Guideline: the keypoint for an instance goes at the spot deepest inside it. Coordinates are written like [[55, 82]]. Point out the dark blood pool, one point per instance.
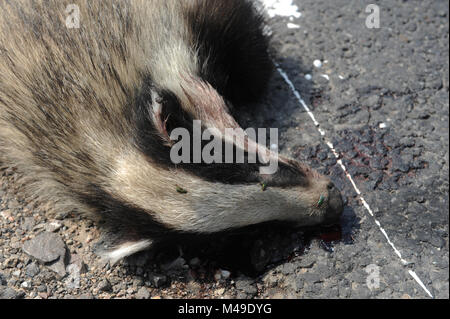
[[331, 234]]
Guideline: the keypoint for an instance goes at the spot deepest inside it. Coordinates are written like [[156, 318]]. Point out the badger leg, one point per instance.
[[124, 250]]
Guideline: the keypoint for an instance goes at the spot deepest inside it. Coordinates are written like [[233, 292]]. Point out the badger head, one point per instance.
[[204, 197]]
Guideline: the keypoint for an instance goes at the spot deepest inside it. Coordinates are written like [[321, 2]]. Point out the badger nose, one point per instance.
[[335, 205]]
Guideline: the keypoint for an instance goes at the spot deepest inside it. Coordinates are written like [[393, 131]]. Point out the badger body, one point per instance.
[[86, 115]]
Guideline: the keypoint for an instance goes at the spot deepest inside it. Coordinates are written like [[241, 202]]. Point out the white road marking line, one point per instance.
[[283, 8], [293, 26], [341, 164], [414, 275]]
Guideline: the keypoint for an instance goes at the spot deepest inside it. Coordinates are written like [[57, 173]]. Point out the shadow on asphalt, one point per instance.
[[250, 251]]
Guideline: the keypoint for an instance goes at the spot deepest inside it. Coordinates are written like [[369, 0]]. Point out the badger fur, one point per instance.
[[86, 115]]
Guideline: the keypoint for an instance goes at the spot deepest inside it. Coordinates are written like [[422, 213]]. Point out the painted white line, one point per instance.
[[341, 164], [283, 8], [297, 95], [414, 275], [293, 26]]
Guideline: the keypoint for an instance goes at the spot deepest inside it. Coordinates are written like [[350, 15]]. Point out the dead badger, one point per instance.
[[86, 113]]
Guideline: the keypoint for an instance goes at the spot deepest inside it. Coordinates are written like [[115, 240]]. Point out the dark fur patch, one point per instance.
[[153, 146], [233, 49], [126, 222]]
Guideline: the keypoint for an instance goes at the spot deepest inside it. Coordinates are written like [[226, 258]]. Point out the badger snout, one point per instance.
[[335, 205]]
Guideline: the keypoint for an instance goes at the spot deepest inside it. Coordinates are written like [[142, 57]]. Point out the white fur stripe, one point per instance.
[[126, 249]]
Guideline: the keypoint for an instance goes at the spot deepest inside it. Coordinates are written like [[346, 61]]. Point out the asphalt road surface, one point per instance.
[[381, 99]]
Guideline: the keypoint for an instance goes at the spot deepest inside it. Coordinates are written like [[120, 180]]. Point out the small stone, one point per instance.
[[306, 262], [140, 271], [42, 288], [372, 101], [73, 280], [317, 63], [104, 286], [308, 77], [58, 267], [25, 285], [78, 261], [407, 142], [271, 280], [398, 164], [247, 287], [288, 269], [11, 262], [39, 227], [220, 291], [43, 295], [46, 247], [225, 274], [49, 249], [322, 155], [28, 223], [159, 280], [53, 227], [298, 284], [32, 270], [143, 293], [311, 277], [2, 280], [9, 293], [138, 282], [178, 263], [7, 215]]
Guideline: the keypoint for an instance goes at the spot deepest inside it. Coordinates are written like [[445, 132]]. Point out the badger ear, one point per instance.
[[153, 115], [159, 117]]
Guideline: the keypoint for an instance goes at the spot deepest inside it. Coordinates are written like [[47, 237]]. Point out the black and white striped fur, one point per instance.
[[85, 116]]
